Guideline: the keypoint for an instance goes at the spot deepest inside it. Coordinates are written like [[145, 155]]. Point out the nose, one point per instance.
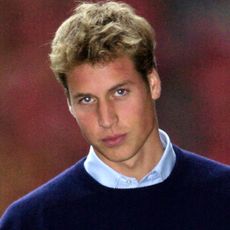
[[107, 116]]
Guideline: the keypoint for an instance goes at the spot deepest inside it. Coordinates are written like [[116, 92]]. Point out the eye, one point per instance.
[[86, 100], [121, 92]]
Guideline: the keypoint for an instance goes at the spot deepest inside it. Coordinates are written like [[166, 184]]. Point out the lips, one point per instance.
[[115, 140]]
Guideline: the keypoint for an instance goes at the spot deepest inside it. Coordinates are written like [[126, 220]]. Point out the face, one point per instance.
[[113, 107]]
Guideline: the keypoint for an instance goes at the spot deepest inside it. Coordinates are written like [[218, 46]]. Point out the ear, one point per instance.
[[154, 84], [70, 106]]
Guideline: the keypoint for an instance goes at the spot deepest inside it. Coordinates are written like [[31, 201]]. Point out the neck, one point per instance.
[[143, 161], [142, 164]]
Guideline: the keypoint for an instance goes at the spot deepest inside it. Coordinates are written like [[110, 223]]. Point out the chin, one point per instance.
[[117, 156]]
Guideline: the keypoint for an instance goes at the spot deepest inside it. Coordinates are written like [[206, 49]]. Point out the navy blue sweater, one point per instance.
[[195, 196]]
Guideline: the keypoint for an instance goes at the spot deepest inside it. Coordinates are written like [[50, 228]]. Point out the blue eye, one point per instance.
[[86, 100], [121, 92]]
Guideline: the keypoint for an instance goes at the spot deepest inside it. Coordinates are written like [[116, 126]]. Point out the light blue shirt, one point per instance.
[[108, 177]]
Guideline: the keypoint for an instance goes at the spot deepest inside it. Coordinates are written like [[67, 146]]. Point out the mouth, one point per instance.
[[112, 141]]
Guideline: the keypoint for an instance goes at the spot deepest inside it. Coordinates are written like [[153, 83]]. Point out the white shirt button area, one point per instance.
[[129, 182], [126, 182], [108, 177]]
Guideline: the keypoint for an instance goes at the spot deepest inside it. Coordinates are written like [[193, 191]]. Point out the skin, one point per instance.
[[115, 110]]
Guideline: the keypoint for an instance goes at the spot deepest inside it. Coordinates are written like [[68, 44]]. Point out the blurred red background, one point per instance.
[[38, 136]]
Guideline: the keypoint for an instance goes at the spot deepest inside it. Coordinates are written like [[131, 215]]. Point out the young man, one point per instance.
[[133, 177]]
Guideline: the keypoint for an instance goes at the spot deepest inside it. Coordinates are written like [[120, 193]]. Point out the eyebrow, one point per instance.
[[124, 83], [127, 82], [80, 95]]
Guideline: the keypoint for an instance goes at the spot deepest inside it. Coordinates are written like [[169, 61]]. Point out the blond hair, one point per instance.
[[99, 33]]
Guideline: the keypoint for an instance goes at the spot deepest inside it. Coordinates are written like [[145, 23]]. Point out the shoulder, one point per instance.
[[203, 172], [62, 189]]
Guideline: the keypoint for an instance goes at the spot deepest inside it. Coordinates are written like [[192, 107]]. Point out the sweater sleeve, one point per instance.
[[11, 219], [21, 216]]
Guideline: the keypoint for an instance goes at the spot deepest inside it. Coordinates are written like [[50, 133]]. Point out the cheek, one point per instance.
[[137, 108], [139, 114], [86, 122]]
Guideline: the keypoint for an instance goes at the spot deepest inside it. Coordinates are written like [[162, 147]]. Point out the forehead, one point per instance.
[[102, 76], [122, 64]]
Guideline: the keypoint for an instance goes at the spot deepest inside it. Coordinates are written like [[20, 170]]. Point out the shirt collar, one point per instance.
[[108, 177]]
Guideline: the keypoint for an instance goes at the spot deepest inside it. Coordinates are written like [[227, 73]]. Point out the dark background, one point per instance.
[[38, 136]]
